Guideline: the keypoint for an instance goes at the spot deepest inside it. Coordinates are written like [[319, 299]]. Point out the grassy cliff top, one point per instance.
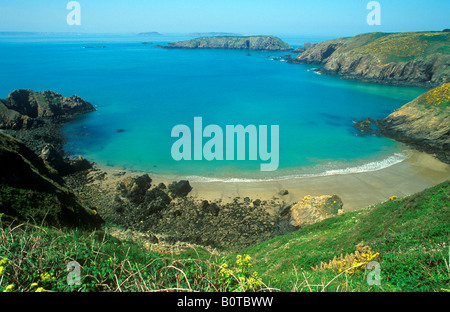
[[438, 97], [400, 47]]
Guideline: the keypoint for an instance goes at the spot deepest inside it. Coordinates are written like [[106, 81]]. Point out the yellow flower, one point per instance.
[[40, 289], [9, 288], [33, 285], [2, 270]]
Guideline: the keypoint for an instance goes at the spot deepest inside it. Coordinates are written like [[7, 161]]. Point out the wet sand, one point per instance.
[[357, 190]]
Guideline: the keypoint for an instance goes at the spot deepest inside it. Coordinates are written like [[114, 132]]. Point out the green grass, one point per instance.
[[438, 98], [401, 47], [410, 234]]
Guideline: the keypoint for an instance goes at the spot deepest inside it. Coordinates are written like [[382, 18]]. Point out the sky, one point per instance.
[[249, 17]]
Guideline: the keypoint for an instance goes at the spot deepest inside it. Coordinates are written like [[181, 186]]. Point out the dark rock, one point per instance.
[[29, 190], [368, 126], [27, 108], [257, 203], [283, 192], [180, 188], [53, 158], [161, 186], [283, 58], [135, 188]]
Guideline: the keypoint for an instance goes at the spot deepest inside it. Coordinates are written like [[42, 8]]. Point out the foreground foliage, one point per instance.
[[408, 237]]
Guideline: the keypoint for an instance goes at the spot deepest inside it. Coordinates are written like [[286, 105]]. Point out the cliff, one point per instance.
[[28, 109], [414, 59], [258, 43], [423, 123], [31, 190]]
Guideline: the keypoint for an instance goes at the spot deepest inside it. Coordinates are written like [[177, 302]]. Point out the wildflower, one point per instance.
[[40, 289], [33, 285], [9, 288], [5, 261], [2, 270]]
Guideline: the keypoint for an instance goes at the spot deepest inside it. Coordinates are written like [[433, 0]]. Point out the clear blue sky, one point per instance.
[[299, 17]]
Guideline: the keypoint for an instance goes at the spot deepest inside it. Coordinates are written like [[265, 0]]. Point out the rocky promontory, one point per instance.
[[36, 117], [27, 108], [414, 59], [423, 123], [256, 43]]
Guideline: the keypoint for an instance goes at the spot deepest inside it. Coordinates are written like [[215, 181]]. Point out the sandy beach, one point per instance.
[[357, 190]]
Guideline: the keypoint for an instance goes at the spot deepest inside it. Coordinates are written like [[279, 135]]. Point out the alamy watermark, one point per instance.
[[213, 149], [374, 16], [74, 16], [74, 276], [374, 276]]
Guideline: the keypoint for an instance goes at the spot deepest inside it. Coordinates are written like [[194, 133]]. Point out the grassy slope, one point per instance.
[[411, 235], [400, 47], [438, 97]]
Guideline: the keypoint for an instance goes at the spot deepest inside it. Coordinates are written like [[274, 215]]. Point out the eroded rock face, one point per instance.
[[30, 190], [383, 58], [311, 209], [423, 123], [27, 109]]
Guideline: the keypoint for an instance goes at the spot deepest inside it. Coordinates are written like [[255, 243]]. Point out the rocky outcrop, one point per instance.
[[305, 47], [36, 118], [28, 109], [423, 123], [180, 188], [30, 190], [413, 59], [257, 43], [311, 209]]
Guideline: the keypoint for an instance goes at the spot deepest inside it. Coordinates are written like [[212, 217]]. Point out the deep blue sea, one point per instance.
[[146, 91]]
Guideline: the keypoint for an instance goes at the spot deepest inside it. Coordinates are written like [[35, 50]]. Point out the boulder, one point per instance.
[[311, 209], [180, 188], [135, 188]]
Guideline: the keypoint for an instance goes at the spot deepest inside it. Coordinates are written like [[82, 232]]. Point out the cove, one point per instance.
[[214, 148]]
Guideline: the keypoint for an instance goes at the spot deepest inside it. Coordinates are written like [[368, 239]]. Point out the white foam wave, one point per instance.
[[367, 167]]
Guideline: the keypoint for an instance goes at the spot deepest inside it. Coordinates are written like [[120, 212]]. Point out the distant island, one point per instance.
[[151, 33], [412, 58], [210, 34], [256, 43]]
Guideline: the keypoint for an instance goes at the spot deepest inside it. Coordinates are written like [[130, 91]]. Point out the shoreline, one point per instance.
[[357, 190]]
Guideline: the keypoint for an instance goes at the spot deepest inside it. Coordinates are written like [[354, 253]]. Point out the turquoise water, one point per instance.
[[146, 91]]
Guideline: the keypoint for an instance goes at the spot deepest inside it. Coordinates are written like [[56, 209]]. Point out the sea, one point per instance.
[[142, 91]]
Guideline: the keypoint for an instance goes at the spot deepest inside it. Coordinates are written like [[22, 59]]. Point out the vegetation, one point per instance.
[[439, 96], [402, 47], [409, 237]]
